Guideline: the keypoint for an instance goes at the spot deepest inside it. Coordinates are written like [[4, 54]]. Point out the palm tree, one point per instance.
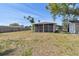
[[38, 20], [31, 19]]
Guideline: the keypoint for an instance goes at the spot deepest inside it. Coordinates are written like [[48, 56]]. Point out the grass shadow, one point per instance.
[[7, 52]]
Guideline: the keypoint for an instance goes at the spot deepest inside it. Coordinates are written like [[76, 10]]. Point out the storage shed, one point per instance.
[[74, 26], [44, 27]]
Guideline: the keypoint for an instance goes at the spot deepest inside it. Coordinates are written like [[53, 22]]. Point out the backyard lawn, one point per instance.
[[27, 43]]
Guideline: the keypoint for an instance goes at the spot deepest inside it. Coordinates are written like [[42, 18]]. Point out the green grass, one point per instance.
[[19, 45], [27, 52]]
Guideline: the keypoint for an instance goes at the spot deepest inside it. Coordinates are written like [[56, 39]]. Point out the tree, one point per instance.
[[65, 10], [31, 19], [14, 24], [38, 20], [54, 9], [65, 25]]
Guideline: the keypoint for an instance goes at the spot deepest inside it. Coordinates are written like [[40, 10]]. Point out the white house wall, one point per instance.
[[77, 27], [72, 28]]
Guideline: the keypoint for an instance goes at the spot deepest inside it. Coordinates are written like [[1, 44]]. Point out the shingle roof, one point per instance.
[[74, 21]]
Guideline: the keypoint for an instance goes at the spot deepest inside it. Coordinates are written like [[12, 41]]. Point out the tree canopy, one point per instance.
[[30, 18], [63, 9], [68, 11]]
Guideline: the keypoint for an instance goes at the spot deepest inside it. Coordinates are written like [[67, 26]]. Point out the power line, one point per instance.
[[32, 10], [35, 12]]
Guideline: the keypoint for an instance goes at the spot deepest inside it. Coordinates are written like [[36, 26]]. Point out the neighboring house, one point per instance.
[[74, 26], [10, 28], [44, 27]]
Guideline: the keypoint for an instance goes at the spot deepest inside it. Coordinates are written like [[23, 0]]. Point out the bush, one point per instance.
[[57, 31]]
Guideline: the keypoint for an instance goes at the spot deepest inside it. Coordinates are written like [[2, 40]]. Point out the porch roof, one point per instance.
[[74, 21], [45, 23]]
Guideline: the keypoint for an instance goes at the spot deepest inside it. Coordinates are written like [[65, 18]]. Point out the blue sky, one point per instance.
[[13, 13]]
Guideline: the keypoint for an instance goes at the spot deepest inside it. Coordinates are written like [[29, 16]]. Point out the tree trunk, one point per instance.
[[32, 28]]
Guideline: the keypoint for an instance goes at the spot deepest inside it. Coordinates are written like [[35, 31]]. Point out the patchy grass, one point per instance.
[[27, 52], [27, 43]]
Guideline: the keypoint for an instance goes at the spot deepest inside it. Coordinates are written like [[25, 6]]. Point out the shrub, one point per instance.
[[57, 31]]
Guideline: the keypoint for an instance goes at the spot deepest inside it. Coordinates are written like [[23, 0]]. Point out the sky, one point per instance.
[[14, 13]]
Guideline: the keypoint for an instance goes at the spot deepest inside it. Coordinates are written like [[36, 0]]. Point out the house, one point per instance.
[[44, 27], [73, 26]]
